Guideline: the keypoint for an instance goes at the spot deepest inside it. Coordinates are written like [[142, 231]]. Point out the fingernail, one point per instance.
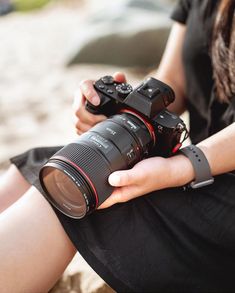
[[114, 179], [95, 100]]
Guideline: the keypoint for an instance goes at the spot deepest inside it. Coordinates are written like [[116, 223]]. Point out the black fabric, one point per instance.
[[181, 11], [170, 240], [30, 162], [207, 114], [167, 241]]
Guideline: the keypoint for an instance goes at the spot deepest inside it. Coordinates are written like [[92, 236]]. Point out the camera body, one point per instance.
[[148, 102], [75, 179]]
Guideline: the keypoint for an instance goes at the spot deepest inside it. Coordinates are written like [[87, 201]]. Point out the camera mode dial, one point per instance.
[[123, 89], [108, 80]]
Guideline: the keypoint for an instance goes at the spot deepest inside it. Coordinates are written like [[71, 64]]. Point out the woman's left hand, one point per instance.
[[147, 176]]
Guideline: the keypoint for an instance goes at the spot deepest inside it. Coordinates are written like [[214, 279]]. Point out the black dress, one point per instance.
[[170, 240]]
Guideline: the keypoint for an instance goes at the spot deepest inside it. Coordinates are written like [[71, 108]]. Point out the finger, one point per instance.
[[119, 76], [78, 100], [83, 115], [79, 132], [121, 195], [82, 127], [111, 200], [123, 178], [89, 92], [81, 112]]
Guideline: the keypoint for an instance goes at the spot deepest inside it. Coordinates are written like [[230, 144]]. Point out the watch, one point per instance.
[[201, 166]]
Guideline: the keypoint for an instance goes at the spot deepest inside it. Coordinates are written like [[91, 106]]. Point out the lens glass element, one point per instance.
[[64, 192]]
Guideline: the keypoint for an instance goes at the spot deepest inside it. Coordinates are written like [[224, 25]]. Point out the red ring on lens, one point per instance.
[[83, 173], [144, 120]]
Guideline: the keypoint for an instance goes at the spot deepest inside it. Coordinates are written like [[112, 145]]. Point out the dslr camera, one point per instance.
[[75, 179]]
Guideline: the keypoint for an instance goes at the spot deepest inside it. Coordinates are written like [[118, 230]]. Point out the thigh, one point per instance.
[[165, 241], [12, 186], [34, 249]]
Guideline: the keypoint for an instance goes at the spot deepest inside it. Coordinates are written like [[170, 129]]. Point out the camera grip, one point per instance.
[[92, 109]]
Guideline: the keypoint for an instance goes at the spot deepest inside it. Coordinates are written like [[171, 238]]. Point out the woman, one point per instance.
[[161, 241]]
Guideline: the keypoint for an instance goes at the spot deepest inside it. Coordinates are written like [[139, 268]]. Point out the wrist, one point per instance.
[[205, 151], [200, 165], [181, 169]]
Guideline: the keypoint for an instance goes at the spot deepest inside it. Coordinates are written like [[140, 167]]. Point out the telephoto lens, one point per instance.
[[75, 179]]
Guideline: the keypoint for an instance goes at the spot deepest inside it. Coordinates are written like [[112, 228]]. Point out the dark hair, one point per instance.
[[223, 50]]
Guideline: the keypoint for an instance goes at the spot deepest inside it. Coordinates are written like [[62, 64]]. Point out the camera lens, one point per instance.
[[75, 179], [65, 192]]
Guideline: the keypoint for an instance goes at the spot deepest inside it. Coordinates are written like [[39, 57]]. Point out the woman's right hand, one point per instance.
[[83, 119]]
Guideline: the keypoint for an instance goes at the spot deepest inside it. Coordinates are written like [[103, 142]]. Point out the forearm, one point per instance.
[[171, 69], [159, 173], [219, 150]]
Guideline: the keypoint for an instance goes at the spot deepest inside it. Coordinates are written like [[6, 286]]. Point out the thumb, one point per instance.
[[122, 178], [119, 76]]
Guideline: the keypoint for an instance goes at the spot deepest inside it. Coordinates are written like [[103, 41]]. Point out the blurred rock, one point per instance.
[[124, 33]]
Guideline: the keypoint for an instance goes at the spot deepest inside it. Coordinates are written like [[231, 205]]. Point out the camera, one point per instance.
[[75, 179]]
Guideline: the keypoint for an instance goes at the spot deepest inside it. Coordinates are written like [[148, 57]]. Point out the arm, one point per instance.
[[171, 69], [220, 150], [159, 173]]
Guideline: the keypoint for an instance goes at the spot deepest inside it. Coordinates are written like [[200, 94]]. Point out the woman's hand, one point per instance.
[[83, 119], [147, 176]]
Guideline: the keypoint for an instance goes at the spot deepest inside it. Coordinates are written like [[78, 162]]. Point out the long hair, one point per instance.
[[223, 50]]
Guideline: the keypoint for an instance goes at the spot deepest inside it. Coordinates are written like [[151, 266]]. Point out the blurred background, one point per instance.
[[46, 49]]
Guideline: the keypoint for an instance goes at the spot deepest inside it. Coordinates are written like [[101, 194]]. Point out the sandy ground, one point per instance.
[[36, 93]]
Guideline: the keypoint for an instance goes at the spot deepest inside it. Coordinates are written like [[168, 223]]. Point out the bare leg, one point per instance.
[[34, 248], [12, 187]]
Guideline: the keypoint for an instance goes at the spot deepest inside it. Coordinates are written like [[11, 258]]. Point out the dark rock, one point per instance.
[[126, 33]]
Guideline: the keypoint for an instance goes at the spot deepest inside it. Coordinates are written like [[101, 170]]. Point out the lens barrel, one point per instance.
[[85, 165]]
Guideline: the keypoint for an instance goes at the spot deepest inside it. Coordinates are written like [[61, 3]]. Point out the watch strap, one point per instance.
[[201, 166]]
